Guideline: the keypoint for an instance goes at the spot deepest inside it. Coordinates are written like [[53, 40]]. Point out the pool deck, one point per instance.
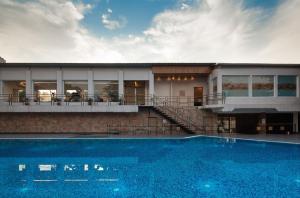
[[293, 138]]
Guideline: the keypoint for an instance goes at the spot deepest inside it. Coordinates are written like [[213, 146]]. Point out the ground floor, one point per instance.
[[259, 123]]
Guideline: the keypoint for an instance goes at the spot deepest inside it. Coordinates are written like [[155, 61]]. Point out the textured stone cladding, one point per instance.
[[76, 122]]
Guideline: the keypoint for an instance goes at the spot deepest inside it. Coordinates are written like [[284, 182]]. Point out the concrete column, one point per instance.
[[90, 83], [28, 83], [250, 91], [275, 85], [1, 87], [298, 87], [59, 83], [295, 122], [219, 88], [151, 83], [121, 83], [210, 85]]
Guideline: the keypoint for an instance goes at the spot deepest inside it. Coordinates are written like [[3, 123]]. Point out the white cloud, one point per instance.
[[210, 31], [110, 23]]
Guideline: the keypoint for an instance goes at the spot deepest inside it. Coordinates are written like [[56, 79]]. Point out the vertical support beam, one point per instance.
[[295, 122], [28, 83], [59, 83], [210, 85], [250, 87], [298, 86], [121, 83], [151, 88], [219, 87], [90, 83], [1, 87], [151, 84], [275, 85]]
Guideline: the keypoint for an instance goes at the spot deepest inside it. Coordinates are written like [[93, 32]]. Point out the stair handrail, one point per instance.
[[163, 102]]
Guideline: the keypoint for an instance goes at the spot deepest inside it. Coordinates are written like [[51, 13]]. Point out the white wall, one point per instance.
[[16, 73], [136, 74], [277, 102], [105, 74], [75, 73], [165, 87], [43, 73]]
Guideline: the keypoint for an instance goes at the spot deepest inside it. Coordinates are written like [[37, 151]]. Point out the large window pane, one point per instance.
[[235, 85], [263, 85], [16, 88], [44, 90], [75, 91], [106, 91], [287, 85]]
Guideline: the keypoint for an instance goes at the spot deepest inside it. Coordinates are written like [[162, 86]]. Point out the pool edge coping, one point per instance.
[[147, 138]]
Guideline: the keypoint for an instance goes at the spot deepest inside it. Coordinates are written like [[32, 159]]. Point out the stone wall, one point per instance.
[[83, 122]]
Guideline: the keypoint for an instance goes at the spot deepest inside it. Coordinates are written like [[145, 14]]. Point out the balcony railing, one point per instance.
[[82, 99]]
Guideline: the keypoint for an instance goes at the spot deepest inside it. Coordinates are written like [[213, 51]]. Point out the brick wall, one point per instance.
[[81, 122]]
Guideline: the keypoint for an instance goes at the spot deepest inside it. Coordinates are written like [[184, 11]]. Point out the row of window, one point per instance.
[[262, 85], [74, 90]]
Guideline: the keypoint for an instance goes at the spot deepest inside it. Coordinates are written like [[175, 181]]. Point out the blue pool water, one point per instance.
[[195, 167]]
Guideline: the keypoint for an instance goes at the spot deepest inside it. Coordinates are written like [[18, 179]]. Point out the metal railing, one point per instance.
[[214, 99], [83, 99], [165, 129], [178, 113]]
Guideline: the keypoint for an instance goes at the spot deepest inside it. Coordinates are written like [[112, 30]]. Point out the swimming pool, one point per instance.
[[195, 167]]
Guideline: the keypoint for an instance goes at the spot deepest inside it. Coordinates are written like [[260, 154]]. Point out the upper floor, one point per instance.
[[62, 87]]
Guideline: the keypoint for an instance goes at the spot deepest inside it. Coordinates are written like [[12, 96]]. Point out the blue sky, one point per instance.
[[266, 31], [140, 13]]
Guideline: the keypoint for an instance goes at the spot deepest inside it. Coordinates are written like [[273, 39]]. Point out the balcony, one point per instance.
[[62, 103]]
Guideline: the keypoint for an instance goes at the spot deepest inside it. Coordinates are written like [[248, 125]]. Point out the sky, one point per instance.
[[260, 31]]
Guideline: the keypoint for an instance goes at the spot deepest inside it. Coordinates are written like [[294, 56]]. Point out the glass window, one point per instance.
[[43, 90], [76, 90], [287, 85], [263, 85], [16, 88], [235, 85], [106, 91]]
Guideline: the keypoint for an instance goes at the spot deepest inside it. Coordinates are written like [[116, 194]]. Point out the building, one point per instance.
[[192, 97]]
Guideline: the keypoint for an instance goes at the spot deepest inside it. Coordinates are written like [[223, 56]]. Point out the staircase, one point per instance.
[[189, 118]]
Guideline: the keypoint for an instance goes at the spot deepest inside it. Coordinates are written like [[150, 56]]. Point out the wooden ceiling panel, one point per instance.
[[181, 70]]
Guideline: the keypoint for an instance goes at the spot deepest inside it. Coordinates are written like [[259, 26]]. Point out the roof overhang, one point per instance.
[[181, 69]]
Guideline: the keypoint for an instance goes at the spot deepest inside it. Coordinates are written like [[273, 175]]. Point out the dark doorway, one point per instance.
[[198, 96], [246, 123], [280, 123]]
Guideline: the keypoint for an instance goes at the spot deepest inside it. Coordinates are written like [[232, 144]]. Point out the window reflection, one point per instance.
[[44, 90], [16, 88], [235, 85], [76, 91], [106, 91], [263, 85], [287, 85]]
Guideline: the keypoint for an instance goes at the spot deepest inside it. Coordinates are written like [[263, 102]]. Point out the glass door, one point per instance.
[[135, 92], [198, 96]]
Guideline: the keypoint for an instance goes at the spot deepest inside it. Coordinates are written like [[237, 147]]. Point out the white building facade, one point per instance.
[[263, 93]]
